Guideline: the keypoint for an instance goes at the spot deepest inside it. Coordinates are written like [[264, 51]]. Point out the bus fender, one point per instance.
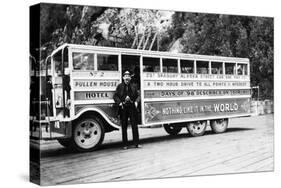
[[100, 112]]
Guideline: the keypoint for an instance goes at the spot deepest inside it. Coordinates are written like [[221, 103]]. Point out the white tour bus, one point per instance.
[[177, 90]]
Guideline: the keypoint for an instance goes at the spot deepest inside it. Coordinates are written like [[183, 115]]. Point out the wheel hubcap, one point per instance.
[[220, 124], [87, 134], [197, 127]]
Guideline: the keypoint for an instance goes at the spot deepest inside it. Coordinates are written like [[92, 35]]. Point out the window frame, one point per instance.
[[235, 69], [202, 60], [246, 69], [193, 67], [66, 64], [171, 58], [151, 56], [217, 61], [95, 52], [109, 53], [84, 52]]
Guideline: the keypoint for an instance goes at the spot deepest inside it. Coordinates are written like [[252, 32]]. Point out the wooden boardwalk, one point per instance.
[[247, 146]]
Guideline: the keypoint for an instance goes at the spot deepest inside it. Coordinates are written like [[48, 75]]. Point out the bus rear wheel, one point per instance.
[[172, 129], [219, 125], [197, 128], [87, 134]]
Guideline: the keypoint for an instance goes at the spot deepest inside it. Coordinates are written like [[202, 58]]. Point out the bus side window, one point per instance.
[[187, 66], [170, 65], [57, 58], [216, 67], [242, 69], [58, 63], [83, 61], [230, 68], [202, 67], [107, 62], [151, 64]]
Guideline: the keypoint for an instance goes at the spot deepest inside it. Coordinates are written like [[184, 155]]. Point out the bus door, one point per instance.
[[132, 63], [61, 84]]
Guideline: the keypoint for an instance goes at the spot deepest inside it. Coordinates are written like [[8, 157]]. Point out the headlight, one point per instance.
[[59, 101]]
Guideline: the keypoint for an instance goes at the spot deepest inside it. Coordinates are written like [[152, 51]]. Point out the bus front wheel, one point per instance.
[[172, 129], [87, 134], [197, 128], [219, 125]]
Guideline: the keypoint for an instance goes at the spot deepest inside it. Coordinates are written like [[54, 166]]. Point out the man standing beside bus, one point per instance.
[[126, 97]]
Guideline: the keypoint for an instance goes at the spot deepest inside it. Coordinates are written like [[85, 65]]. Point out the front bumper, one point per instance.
[[49, 130]]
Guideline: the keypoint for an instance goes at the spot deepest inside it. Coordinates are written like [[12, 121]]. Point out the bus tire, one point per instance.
[[219, 125], [172, 129], [64, 142], [197, 128], [87, 134]]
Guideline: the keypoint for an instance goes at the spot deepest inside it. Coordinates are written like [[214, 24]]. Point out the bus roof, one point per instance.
[[129, 51]]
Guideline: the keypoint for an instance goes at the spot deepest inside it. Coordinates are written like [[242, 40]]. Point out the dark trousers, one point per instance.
[[125, 113]]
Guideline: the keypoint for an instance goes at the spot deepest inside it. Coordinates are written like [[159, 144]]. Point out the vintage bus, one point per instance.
[[177, 90]]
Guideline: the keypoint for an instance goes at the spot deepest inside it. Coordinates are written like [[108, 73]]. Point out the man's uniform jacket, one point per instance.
[[119, 96]]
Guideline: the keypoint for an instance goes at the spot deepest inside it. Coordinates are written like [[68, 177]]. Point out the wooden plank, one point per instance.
[[246, 147]]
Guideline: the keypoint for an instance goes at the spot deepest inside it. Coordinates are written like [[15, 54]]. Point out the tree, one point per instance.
[[232, 36], [197, 33]]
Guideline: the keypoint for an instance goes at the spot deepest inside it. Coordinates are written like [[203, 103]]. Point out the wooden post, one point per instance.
[[135, 41], [146, 41], [153, 40], [141, 41], [158, 42]]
